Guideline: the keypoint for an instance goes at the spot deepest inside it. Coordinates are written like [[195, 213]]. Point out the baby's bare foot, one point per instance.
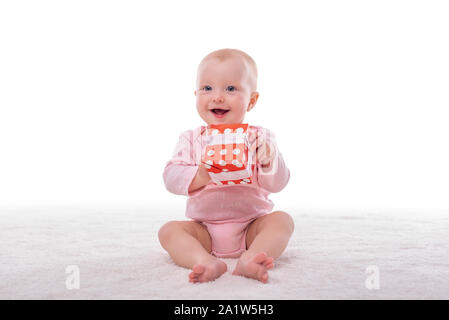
[[207, 271], [255, 267]]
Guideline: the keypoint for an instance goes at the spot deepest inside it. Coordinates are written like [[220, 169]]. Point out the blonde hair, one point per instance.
[[224, 54]]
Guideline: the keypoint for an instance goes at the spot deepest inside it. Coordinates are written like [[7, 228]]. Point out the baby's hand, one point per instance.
[[204, 164], [202, 172], [260, 147]]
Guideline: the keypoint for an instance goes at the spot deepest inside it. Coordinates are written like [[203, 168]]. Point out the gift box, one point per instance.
[[227, 157]]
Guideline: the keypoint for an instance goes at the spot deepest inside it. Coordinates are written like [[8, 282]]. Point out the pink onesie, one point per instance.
[[225, 210]]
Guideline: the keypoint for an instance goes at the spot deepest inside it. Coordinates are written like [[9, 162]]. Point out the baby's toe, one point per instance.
[[268, 262], [264, 277], [260, 258], [198, 269]]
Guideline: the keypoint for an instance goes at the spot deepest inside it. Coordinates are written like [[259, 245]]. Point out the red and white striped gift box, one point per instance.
[[227, 157]]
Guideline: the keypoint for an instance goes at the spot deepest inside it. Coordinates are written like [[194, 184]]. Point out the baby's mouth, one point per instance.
[[219, 111]]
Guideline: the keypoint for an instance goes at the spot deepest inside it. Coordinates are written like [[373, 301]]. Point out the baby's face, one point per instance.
[[224, 85]]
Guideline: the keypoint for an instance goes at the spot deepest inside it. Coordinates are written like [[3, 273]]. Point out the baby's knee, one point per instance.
[[291, 222], [167, 230], [286, 220]]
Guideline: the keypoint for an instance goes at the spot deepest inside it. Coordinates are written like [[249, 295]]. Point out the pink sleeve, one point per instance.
[[181, 169], [276, 177]]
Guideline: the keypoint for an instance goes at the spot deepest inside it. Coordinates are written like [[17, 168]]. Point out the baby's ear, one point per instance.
[[253, 100], [254, 97]]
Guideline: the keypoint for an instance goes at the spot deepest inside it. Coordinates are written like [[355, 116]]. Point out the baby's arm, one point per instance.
[[182, 174], [201, 179], [274, 176]]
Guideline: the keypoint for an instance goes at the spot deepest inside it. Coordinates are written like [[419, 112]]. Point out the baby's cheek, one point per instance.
[[201, 99]]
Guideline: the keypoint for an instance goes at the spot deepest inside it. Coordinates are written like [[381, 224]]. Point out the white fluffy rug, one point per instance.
[[118, 256]]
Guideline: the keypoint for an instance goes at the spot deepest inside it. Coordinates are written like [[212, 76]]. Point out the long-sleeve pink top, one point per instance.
[[223, 203]]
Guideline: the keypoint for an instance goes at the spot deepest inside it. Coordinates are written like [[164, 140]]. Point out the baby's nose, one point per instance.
[[218, 99]]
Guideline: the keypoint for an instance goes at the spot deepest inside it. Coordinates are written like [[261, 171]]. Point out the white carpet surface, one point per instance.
[[119, 257]]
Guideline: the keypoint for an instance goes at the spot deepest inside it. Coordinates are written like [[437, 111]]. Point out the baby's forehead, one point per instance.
[[235, 62], [234, 68]]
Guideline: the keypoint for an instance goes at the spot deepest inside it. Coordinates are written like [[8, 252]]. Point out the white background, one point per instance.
[[94, 94]]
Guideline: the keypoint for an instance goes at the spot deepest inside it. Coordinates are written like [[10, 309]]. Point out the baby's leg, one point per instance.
[[266, 239], [189, 245]]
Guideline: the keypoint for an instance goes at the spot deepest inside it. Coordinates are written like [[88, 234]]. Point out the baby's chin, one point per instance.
[[224, 120]]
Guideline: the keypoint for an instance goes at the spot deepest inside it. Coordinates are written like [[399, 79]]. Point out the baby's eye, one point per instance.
[[231, 88], [207, 88]]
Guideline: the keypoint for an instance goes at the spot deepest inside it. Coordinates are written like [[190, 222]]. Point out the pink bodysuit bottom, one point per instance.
[[228, 239]]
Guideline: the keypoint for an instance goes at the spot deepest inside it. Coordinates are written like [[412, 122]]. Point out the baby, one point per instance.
[[235, 220]]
